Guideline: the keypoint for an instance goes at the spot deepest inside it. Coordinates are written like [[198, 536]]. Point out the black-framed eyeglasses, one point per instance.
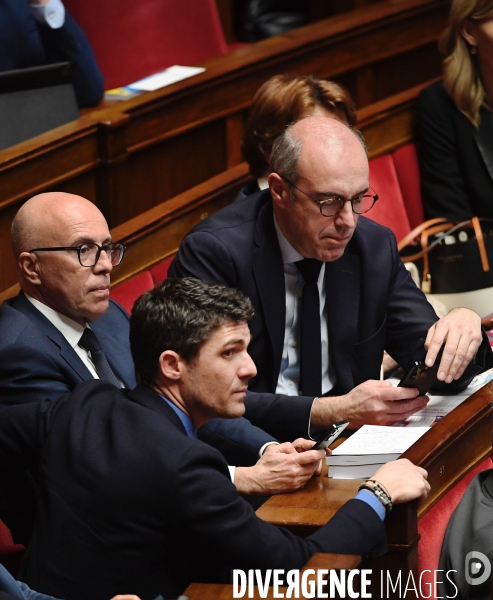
[[331, 204], [89, 253]]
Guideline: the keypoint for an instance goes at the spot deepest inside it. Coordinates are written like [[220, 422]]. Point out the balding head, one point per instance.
[[56, 278], [42, 219], [312, 160]]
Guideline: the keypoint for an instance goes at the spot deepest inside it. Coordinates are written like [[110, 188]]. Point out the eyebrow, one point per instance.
[[339, 195]]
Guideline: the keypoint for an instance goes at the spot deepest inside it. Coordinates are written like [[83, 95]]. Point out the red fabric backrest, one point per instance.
[[10, 554], [160, 271], [432, 529], [389, 210], [407, 169], [127, 292], [136, 38]]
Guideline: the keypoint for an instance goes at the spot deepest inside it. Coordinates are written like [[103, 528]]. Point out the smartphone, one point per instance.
[[326, 439], [420, 376]]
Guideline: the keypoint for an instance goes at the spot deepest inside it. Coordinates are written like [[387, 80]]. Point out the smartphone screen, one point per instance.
[[326, 439]]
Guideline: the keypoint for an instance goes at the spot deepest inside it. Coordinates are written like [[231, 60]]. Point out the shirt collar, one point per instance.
[[263, 183], [70, 329], [184, 418], [289, 254]]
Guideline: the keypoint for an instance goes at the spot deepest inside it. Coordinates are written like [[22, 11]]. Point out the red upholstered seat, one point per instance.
[[127, 292], [389, 210], [10, 553], [160, 271], [407, 169], [136, 38], [433, 525]]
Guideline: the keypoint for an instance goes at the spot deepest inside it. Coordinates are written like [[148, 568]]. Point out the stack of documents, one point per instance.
[[369, 448]]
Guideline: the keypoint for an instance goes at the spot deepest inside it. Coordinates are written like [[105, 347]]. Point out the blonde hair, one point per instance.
[[461, 74]]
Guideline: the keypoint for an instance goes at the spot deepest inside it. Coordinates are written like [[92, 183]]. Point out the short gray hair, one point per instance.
[[286, 152]]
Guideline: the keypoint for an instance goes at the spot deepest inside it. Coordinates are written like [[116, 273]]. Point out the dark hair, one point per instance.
[[181, 315], [282, 100]]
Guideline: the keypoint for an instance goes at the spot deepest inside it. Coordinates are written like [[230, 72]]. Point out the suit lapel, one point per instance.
[[483, 136], [268, 272], [342, 278], [67, 353]]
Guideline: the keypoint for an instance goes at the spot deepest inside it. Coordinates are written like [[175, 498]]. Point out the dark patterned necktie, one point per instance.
[[90, 343], [311, 338]]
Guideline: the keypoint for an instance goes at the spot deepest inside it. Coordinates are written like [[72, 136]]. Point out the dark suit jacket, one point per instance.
[[26, 43], [37, 362], [456, 159], [372, 302], [129, 503]]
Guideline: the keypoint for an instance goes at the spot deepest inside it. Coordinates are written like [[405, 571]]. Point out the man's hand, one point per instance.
[[281, 469], [461, 332], [125, 597], [403, 480], [372, 402]]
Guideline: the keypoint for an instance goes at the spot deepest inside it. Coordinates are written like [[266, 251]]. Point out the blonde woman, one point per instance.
[[455, 121]]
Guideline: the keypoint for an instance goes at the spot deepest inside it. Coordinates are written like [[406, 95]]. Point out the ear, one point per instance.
[[468, 32], [277, 187], [171, 365], [29, 267]]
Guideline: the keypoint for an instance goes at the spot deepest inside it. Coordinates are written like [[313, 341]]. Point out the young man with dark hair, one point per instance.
[[131, 500]]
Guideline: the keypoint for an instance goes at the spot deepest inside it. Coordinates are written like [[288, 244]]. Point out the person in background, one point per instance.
[[455, 121], [42, 32], [280, 101]]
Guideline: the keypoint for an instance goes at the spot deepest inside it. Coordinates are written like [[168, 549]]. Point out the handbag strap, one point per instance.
[[482, 248], [417, 231]]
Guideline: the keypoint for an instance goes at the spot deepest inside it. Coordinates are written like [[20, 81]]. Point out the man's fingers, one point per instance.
[[310, 456], [406, 407]]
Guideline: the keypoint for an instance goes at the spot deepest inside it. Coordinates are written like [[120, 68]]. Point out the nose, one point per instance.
[[248, 368], [346, 217], [104, 263]]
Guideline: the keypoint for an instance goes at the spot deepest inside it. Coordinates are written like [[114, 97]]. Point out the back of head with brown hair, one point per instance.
[[282, 100]]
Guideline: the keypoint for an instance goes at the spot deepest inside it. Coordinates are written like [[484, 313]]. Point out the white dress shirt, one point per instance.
[[70, 329], [289, 376], [51, 14]]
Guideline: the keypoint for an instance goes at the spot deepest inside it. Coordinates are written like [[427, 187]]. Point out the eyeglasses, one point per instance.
[[331, 205], [89, 253]]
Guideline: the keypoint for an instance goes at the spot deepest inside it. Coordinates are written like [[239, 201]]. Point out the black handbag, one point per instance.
[[453, 258]]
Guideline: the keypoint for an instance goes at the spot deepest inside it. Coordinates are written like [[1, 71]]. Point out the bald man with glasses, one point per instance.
[[329, 289]]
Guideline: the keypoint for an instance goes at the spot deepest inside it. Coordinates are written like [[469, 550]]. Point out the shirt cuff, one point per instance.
[[264, 447], [232, 473], [51, 14], [373, 501]]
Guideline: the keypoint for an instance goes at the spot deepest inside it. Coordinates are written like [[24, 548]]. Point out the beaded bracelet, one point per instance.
[[380, 492]]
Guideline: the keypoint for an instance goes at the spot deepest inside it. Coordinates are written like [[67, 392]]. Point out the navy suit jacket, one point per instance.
[[372, 301], [26, 43], [150, 509], [37, 362]]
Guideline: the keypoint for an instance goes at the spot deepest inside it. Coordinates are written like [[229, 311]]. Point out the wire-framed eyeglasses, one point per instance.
[[332, 204], [89, 253]]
